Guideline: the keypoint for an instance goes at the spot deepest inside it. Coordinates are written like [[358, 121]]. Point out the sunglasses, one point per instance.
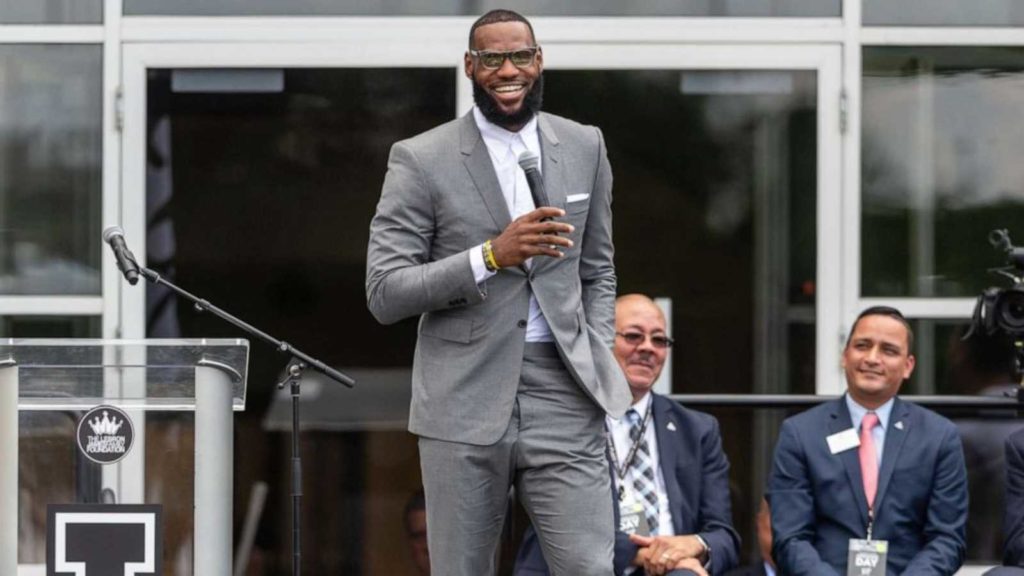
[[659, 341], [521, 58]]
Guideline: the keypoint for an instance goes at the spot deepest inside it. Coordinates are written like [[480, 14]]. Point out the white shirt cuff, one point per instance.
[[476, 261]]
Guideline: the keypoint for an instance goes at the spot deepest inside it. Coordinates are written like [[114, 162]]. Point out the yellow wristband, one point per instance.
[[489, 261]]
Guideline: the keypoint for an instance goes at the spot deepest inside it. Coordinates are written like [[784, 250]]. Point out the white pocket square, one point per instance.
[[576, 197]]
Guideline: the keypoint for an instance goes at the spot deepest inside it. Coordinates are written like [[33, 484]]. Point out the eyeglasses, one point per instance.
[[521, 58], [659, 341]]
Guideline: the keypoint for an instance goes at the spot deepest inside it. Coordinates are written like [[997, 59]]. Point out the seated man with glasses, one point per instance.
[[670, 475]]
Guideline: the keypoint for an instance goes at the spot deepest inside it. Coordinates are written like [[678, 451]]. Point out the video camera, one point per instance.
[[1000, 311]]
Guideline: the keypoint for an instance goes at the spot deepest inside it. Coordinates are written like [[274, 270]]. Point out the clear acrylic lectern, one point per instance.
[[179, 395]]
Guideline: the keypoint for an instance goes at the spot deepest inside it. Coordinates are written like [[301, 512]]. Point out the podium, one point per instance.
[[166, 388]]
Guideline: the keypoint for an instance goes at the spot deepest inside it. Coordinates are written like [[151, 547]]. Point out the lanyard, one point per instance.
[[620, 472], [871, 521]]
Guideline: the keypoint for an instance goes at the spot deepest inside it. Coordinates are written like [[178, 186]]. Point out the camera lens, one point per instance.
[[1009, 310]]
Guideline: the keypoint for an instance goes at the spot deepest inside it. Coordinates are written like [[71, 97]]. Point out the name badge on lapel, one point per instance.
[[843, 441], [867, 557]]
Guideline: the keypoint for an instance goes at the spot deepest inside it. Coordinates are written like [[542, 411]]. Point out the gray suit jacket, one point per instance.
[[440, 199]]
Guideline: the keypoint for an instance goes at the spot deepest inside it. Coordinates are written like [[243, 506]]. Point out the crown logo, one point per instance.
[[106, 426]]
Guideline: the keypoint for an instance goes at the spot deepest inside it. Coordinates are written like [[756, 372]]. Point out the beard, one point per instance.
[[494, 115]]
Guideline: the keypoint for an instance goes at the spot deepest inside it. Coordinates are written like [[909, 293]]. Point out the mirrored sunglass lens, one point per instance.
[[522, 58]]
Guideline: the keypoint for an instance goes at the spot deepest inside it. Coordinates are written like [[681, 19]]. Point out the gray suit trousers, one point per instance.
[[553, 453]]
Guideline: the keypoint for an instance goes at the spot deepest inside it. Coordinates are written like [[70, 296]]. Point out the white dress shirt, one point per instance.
[[623, 443], [504, 148]]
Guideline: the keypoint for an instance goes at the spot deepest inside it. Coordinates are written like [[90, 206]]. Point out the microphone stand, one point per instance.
[[299, 361]]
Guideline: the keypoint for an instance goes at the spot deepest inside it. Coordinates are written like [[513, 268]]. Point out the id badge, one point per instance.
[[632, 519], [867, 557]]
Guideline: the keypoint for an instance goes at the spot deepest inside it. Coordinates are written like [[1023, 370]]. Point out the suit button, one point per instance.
[[521, 323]]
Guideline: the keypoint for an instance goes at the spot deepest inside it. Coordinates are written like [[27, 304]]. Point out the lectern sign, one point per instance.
[[104, 540], [105, 434]]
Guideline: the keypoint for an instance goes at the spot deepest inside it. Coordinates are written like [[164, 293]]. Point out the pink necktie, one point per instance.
[[868, 457]]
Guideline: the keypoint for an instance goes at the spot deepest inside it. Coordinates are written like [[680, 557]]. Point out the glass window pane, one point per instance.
[[51, 154], [715, 202], [940, 167], [948, 364], [52, 12], [742, 8], [943, 13], [50, 326]]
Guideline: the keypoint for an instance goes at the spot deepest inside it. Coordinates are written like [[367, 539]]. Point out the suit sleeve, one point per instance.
[[597, 268], [945, 530], [402, 278], [715, 505], [792, 509], [1013, 522]]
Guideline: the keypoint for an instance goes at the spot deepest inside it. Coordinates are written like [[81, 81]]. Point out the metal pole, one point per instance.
[[9, 472], [214, 446]]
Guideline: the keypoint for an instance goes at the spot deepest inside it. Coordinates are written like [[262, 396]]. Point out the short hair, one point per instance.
[[890, 312], [415, 503], [496, 16]]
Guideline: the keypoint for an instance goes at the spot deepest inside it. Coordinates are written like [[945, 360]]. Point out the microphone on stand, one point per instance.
[[114, 236]]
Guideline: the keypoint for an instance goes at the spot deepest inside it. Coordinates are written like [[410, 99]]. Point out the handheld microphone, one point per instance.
[[530, 163], [114, 236]]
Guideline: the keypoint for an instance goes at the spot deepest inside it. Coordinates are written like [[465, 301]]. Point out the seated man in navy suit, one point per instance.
[[670, 475], [1013, 521], [869, 471]]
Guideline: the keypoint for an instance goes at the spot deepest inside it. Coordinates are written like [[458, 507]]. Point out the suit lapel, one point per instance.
[[669, 455], [552, 170], [895, 436], [481, 170], [840, 420]]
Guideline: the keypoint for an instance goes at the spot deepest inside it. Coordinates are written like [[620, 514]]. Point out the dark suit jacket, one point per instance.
[[696, 473], [1013, 521], [818, 503], [749, 570]]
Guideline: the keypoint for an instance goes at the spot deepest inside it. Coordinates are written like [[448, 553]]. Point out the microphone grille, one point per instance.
[[112, 231], [529, 161]]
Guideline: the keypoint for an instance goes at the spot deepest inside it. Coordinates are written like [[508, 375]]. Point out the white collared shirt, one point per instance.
[[857, 413], [623, 443], [504, 148]]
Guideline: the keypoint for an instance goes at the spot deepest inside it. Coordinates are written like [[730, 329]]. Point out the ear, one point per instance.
[[540, 58], [467, 65], [908, 368]]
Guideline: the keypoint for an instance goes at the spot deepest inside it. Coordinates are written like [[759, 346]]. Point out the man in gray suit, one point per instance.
[[513, 372]]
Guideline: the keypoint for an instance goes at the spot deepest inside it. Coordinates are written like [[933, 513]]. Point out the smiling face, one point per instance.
[[511, 94], [642, 363], [877, 360]]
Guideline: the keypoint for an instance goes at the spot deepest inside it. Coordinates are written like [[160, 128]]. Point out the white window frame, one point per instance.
[[71, 304]]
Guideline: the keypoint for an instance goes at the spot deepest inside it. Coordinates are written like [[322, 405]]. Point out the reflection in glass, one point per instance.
[[50, 169], [943, 13], [948, 364], [742, 8], [714, 203], [52, 12], [50, 326], [941, 167]]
